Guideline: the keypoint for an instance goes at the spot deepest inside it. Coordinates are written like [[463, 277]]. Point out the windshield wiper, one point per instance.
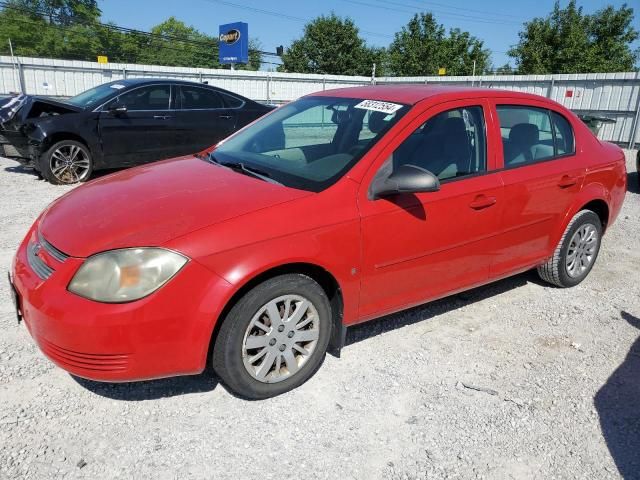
[[242, 168]]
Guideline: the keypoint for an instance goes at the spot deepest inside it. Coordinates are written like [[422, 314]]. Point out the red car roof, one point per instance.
[[411, 94]]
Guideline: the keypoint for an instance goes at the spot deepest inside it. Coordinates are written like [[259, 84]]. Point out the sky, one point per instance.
[[279, 22]]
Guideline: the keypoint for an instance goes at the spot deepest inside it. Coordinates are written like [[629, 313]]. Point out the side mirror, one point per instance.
[[406, 179], [117, 109]]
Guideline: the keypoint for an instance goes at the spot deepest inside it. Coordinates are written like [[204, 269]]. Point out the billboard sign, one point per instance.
[[234, 43]]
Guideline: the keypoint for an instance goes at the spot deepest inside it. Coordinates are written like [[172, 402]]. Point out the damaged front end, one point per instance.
[[18, 118]]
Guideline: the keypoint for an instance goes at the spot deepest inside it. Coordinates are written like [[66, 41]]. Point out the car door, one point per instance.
[[138, 126], [542, 174], [203, 118], [417, 247]]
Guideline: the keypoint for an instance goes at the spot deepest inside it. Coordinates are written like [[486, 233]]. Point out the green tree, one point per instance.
[[422, 47], [176, 44], [330, 44], [569, 41], [72, 29], [61, 12], [505, 69]]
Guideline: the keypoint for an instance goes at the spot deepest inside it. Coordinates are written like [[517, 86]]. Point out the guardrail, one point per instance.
[[612, 95]]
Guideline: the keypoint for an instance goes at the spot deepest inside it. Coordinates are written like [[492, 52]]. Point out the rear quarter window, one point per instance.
[[565, 143]]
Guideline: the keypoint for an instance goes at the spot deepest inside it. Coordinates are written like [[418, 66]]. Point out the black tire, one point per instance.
[[67, 177], [638, 168], [555, 269], [227, 359]]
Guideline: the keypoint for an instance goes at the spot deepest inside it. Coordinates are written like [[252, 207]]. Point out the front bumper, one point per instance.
[[165, 334]]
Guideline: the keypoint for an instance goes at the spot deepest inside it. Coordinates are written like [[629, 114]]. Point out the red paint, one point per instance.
[[385, 256], [568, 93]]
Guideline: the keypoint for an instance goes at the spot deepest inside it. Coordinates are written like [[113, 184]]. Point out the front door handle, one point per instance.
[[482, 201], [226, 117], [162, 117], [567, 181]]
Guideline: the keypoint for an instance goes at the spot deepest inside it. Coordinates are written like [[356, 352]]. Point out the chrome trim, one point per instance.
[[40, 268], [51, 250]]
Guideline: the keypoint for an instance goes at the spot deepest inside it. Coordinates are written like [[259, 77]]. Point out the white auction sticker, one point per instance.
[[378, 106], [117, 86]]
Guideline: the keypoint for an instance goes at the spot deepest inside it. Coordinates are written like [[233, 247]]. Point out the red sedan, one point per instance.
[[332, 210]]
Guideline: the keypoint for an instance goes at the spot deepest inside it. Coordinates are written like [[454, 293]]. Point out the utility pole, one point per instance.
[[16, 74]]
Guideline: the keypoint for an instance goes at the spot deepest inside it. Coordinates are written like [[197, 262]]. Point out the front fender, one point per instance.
[[335, 249]]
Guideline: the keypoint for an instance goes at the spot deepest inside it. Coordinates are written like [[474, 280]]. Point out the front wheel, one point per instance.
[[576, 252], [274, 338], [66, 162]]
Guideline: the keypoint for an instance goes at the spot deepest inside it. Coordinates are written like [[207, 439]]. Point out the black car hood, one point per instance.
[[15, 111]]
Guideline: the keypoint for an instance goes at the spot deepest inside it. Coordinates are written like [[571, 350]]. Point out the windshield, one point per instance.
[[96, 95], [310, 143]]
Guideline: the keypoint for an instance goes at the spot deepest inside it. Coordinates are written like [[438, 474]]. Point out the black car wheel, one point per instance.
[[576, 252], [274, 338], [66, 162]]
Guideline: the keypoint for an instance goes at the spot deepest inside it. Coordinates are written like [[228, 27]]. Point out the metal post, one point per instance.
[[473, 74], [373, 75], [268, 88], [23, 89], [324, 83], [636, 120], [551, 85], [124, 73]]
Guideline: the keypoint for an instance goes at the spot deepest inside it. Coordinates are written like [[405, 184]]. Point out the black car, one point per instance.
[[119, 124]]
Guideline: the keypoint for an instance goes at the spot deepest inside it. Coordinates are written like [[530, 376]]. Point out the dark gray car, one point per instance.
[[119, 124]]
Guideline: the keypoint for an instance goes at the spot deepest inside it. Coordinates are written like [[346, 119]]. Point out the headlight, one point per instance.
[[125, 275]]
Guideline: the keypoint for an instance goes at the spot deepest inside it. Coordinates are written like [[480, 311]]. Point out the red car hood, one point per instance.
[[152, 204]]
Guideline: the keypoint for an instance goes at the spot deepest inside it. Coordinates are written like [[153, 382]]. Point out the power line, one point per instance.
[[458, 16], [285, 16], [82, 54], [420, 5], [125, 29]]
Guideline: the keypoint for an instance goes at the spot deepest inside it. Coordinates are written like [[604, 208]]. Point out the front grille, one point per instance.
[[51, 250], [38, 265], [104, 362], [41, 269]]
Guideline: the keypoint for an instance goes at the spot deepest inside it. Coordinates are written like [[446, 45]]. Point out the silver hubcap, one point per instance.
[[582, 249], [280, 338], [70, 164]]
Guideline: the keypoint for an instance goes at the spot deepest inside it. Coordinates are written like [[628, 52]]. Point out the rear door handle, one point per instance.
[[567, 181], [226, 117], [482, 201], [162, 117]]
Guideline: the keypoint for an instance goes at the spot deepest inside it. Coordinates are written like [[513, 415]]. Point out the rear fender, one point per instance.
[[589, 193]]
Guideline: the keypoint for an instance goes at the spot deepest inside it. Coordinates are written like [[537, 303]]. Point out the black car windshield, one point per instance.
[[310, 143], [96, 95]]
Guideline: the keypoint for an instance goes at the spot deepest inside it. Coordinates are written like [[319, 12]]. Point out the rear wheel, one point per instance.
[[576, 252], [274, 338], [66, 162]]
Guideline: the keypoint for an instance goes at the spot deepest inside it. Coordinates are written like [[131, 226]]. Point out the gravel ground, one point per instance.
[[513, 380]]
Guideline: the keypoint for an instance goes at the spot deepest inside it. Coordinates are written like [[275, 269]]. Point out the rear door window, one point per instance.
[[196, 98], [527, 134]]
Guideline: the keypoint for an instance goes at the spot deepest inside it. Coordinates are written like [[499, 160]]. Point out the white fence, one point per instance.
[[613, 95]]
